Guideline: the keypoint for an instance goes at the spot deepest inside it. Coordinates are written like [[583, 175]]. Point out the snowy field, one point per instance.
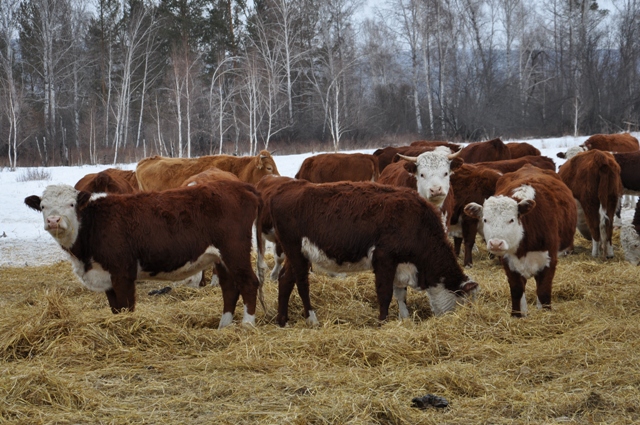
[[24, 242]]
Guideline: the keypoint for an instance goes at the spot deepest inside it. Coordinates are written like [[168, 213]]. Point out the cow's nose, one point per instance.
[[53, 222], [436, 191], [496, 245]]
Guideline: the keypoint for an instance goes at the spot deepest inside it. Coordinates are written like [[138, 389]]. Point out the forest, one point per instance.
[[110, 81]]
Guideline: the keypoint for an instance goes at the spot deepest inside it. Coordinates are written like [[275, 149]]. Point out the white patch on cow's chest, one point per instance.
[[208, 258], [529, 265], [97, 279], [321, 261]]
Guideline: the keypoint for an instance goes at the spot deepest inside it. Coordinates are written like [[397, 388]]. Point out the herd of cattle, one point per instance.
[[390, 212]]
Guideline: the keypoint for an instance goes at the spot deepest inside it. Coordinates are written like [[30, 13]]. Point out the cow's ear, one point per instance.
[[456, 163], [561, 155], [33, 201], [473, 210], [525, 206], [83, 199], [411, 167]]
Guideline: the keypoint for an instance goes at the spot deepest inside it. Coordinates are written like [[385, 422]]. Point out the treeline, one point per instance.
[[115, 81]]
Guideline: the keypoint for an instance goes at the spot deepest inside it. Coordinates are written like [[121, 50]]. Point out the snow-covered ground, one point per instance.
[[24, 242]]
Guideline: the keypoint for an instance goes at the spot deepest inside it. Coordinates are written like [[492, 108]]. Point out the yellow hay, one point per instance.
[[67, 359]]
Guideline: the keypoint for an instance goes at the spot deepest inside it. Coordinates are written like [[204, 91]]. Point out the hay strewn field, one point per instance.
[[67, 360]]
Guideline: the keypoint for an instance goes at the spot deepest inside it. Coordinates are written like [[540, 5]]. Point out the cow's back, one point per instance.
[[111, 180], [623, 142], [491, 150], [520, 149], [511, 165], [335, 167]]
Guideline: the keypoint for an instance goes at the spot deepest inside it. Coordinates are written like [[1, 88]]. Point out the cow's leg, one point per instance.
[[469, 231], [302, 283], [246, 282], [606, 230], [279, 259], [517, 284], [457, 244], [544, 280], [385, 272], [286, 281], [592, 218], [122, 296], [230, 295], [401, 296]]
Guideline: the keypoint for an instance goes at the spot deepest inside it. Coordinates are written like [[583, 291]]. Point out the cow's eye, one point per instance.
[[446, 174], [421, 175], [73, 205], [484, 220], [510, 221]]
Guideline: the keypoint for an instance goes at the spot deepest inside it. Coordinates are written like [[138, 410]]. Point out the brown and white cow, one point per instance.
[[630, 238], [161, 173], [111, 180], [491, 150], [359, 226], [622, 142], [432, 173], [511, 165], [520, 149], [530, 219], [403, 173], [114, 240], [335, 167], [594, 178], [470, 183]]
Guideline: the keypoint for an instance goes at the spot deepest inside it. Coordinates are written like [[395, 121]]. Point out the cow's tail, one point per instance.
[[260, 264]]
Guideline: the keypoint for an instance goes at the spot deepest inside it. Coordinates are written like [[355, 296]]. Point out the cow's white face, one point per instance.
[[58, 206], [500, 218], [433, 171]]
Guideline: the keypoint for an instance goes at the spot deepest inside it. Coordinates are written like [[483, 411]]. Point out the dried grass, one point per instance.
[[67, 359]]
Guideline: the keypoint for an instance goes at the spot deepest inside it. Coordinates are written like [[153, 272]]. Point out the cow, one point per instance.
[[470, 183], [491, 150], [510, 165], [403, 173], [520, 149], [161, 173], [335, 167], [630, 238], [432, 171], [359, 226], [529, 220], [111, 180], [115, 240], [622, 142], [594, 179], [267, 187]]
